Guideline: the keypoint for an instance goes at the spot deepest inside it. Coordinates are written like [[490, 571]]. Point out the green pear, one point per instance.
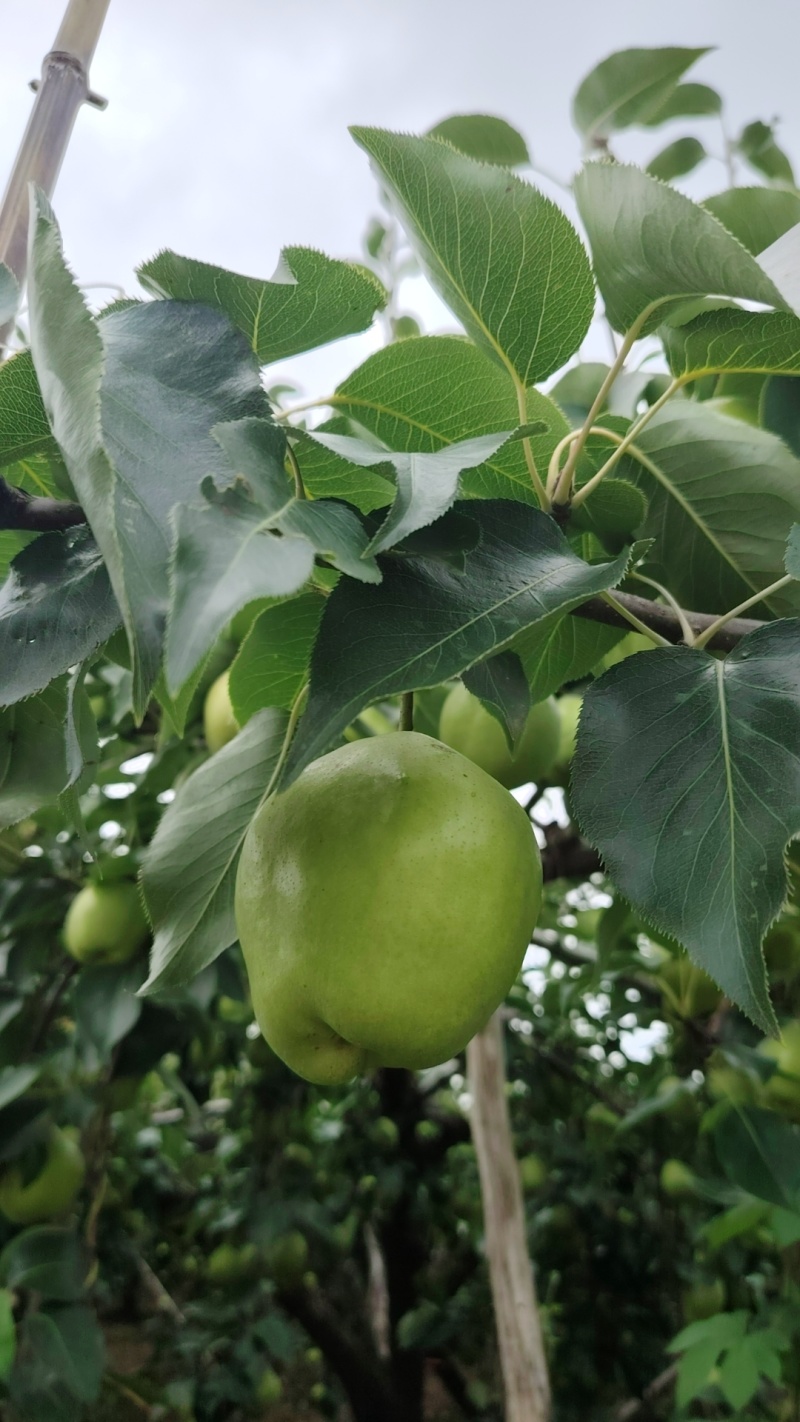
[[269, 1388], [703, 1300], [219, 723], [468, 727], [687, 989], [105, 924], [231, 1264], [677, 1179], [287, 1259], [384, 903], [52, 1191], [782, 1091], [533, 1172]]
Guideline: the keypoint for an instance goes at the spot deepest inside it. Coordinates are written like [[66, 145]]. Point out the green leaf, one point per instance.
[[273, 660], [676, 159], [733, 1223], [420, 395], [613, 512], [133, 429], [724, 1330], [707, 752], [780, 409], [503, 257], [793, 552], [59, 1365], [785, 1225], [734, 341], [49, 1260], [502, 686], [56, 607], [760, 1152], [14, 1082], [651, 244], [723, 497], [686, 101], [311, 300], [105, 1005], [189, 869], [485, 138], [427, 484], [8, 1334], [428, 622], [327, 476], [739, 1375], [756, 143], [253, 539], [629, 87], [694, 1371], [10, 293], [756, 216], [24, 427], [37, 749], [84, 1346], [562, 649]]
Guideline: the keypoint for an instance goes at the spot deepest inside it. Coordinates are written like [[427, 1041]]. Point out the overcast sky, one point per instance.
[[226, 132]]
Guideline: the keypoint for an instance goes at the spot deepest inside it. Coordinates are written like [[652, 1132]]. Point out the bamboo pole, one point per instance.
[[63, 88], [519, 1332]]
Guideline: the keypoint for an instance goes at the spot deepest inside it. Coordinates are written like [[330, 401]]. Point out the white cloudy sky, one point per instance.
[[226, 132]]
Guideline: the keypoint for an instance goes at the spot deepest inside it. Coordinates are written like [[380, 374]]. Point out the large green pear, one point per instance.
[[468, 727], [105, 924], [49, 1193], [384, 903]]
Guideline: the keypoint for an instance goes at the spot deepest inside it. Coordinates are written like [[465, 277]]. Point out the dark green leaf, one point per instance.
[[760, 1152], [734, 341], [502, 686], [651, 244], [327, 476], [503, 257], [756, 143], [677, 158], [310, 300], [106, 1006], [35, 750], [484, 137], [780, 409], [562, 649], [614, 511], [757, 216], [420, 395], [793, 552], [722, 499], [427, 622], [49, 1260], [56, 607], [629, 87], [272, 664], [709, 753], [8, 1334], [84, 1346], [14, 1081], [189, 869]]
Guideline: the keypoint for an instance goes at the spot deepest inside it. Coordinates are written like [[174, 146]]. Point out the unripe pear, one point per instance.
[[52, 1191], [105, 924], [219, 723], [469, 728]]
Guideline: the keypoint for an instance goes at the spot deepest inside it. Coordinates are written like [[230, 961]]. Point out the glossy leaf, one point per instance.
[[421, 395], [760, 1152], [650, 244], [484, 137], [708, 752], [677, 159], [428, 622], [189, 869], [502, 686], [311, 300], [9, 294], [56, 607], [756, 216], [105, 1005], [723, 497], [562, 649], [427, 484], [503, 257], [24, 427], [734, 341], [273, 660], [327, 476], [36, 740], [253, 539], [630, 87]]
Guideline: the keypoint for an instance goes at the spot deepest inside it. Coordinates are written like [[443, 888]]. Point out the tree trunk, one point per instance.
[[519, 1332]]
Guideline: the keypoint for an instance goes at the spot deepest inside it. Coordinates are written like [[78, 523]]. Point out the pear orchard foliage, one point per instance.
[[224, 607]]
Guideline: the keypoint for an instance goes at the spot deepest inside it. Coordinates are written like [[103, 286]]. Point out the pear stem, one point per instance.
[[407, 711]]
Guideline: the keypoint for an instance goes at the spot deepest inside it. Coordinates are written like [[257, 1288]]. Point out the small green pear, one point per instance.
[[677, 1179], [219, 723], [469, 728], [384, 903], [105, 924], [52, 1191]]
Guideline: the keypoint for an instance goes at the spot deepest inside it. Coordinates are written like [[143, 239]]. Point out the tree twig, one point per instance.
[[663, 619], [34, 514]]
